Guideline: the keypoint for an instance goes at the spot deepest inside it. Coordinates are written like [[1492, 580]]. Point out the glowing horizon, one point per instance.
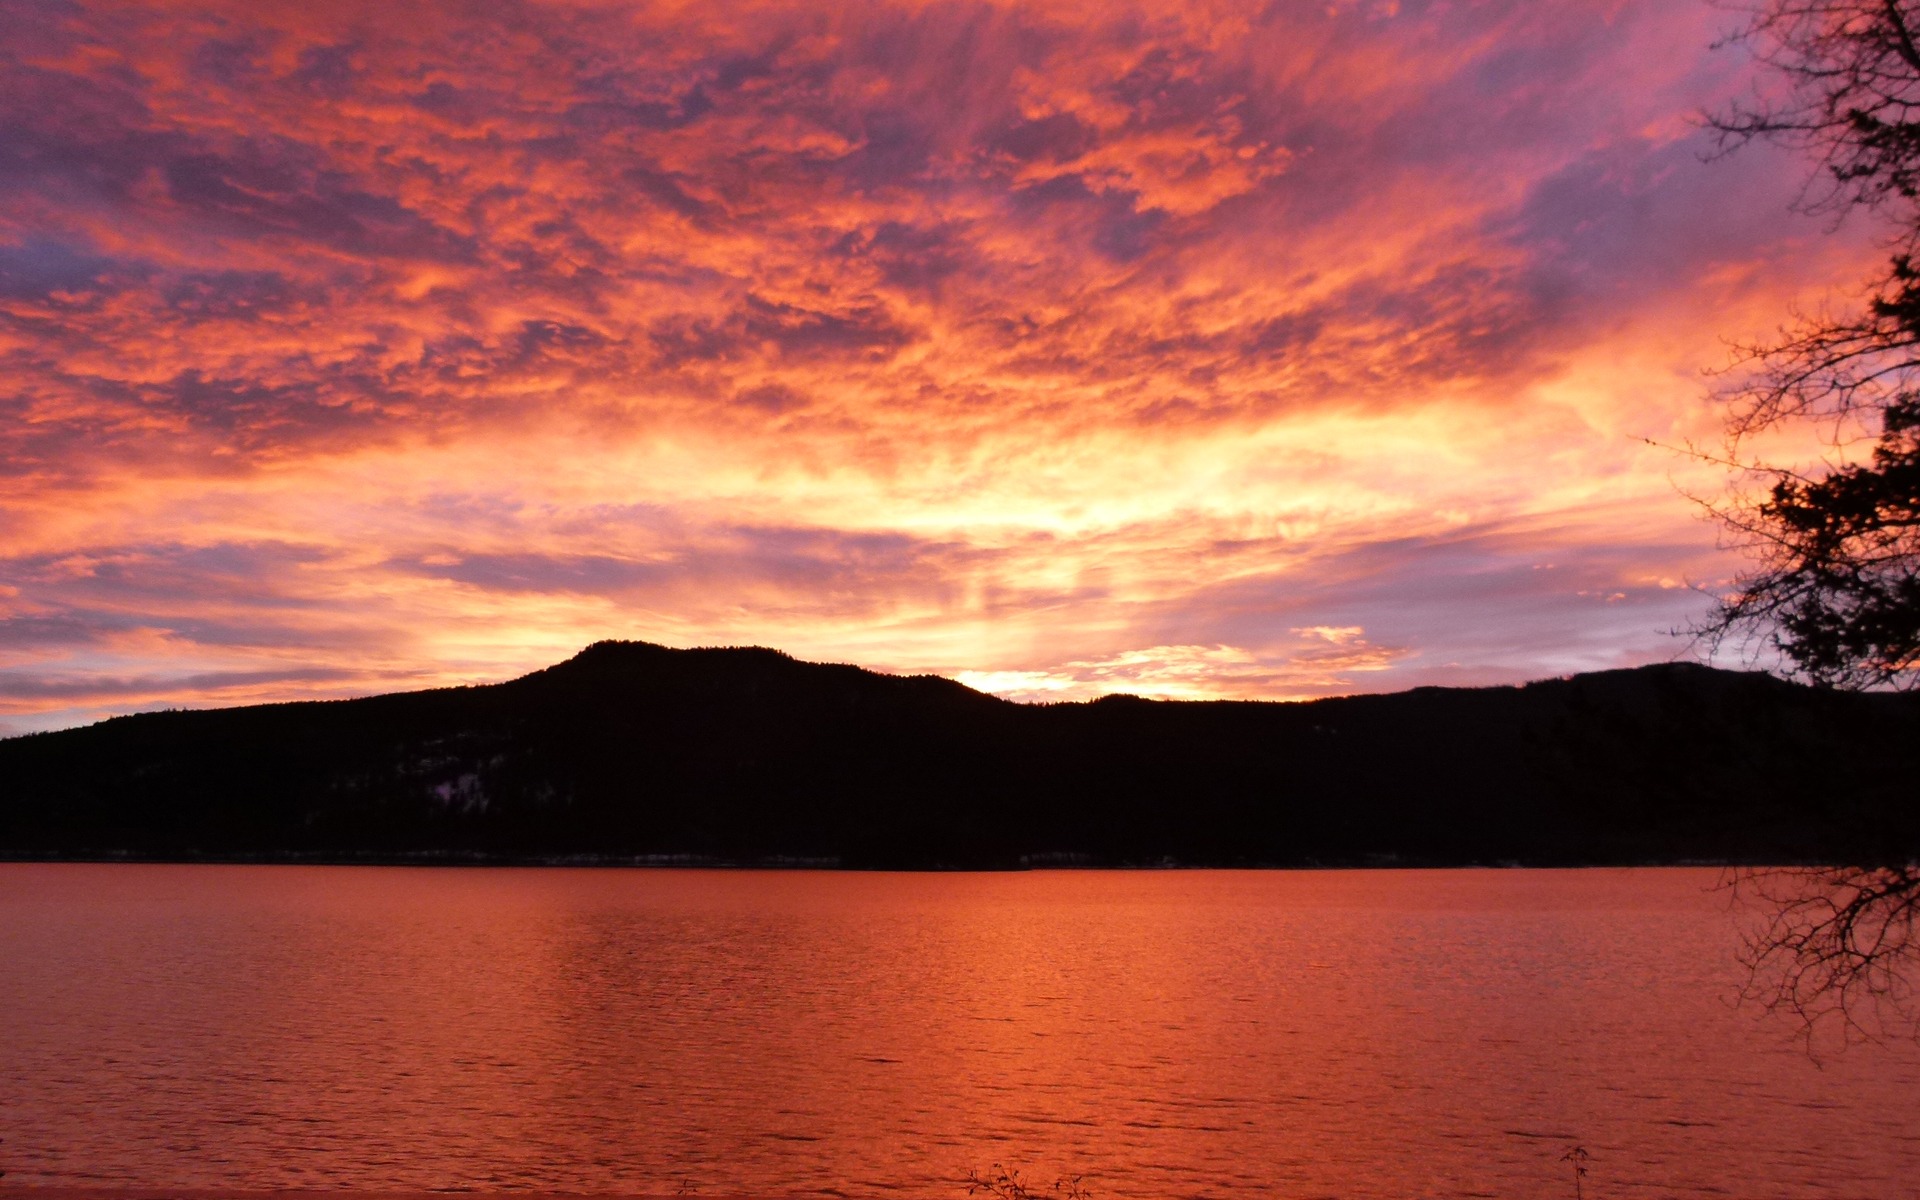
[[1059, 349]]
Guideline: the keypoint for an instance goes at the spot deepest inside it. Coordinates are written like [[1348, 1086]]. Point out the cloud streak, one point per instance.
[[1103, 348]]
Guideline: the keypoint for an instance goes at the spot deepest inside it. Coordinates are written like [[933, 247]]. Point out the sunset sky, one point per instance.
[[1176, 348]]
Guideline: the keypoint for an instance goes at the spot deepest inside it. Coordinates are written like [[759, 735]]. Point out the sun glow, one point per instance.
[[1057, 348]]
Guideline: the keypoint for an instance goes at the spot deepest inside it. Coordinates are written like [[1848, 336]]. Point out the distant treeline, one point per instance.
[[636, 752]]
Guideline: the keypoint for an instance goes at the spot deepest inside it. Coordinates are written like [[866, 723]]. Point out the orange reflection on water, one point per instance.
[[1162, 1033]]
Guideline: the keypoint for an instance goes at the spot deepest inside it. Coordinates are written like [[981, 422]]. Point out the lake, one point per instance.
[[1159, 1033]]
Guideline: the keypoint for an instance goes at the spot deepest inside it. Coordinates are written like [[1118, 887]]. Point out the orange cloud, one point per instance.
[[1166, 348]]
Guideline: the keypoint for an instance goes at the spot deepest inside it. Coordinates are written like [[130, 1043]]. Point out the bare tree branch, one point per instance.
[[1834, 947], [1833, 595]]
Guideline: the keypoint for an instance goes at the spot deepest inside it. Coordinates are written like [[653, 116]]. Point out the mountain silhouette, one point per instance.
[[636, 752]]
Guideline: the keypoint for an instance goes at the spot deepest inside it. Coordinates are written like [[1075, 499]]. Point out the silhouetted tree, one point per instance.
[[1835, 589], [1836, 948]]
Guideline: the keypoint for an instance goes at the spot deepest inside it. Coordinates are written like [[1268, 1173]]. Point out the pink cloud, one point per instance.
[[351, 346]]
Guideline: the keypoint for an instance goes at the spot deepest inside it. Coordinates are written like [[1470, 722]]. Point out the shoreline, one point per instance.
[[692, 862], [29, 1191]]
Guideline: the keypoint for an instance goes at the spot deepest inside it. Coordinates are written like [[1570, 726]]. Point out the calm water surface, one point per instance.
[[1161, 1033]]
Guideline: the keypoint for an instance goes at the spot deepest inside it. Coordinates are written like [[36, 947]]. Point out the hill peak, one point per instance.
[[746, 754]]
